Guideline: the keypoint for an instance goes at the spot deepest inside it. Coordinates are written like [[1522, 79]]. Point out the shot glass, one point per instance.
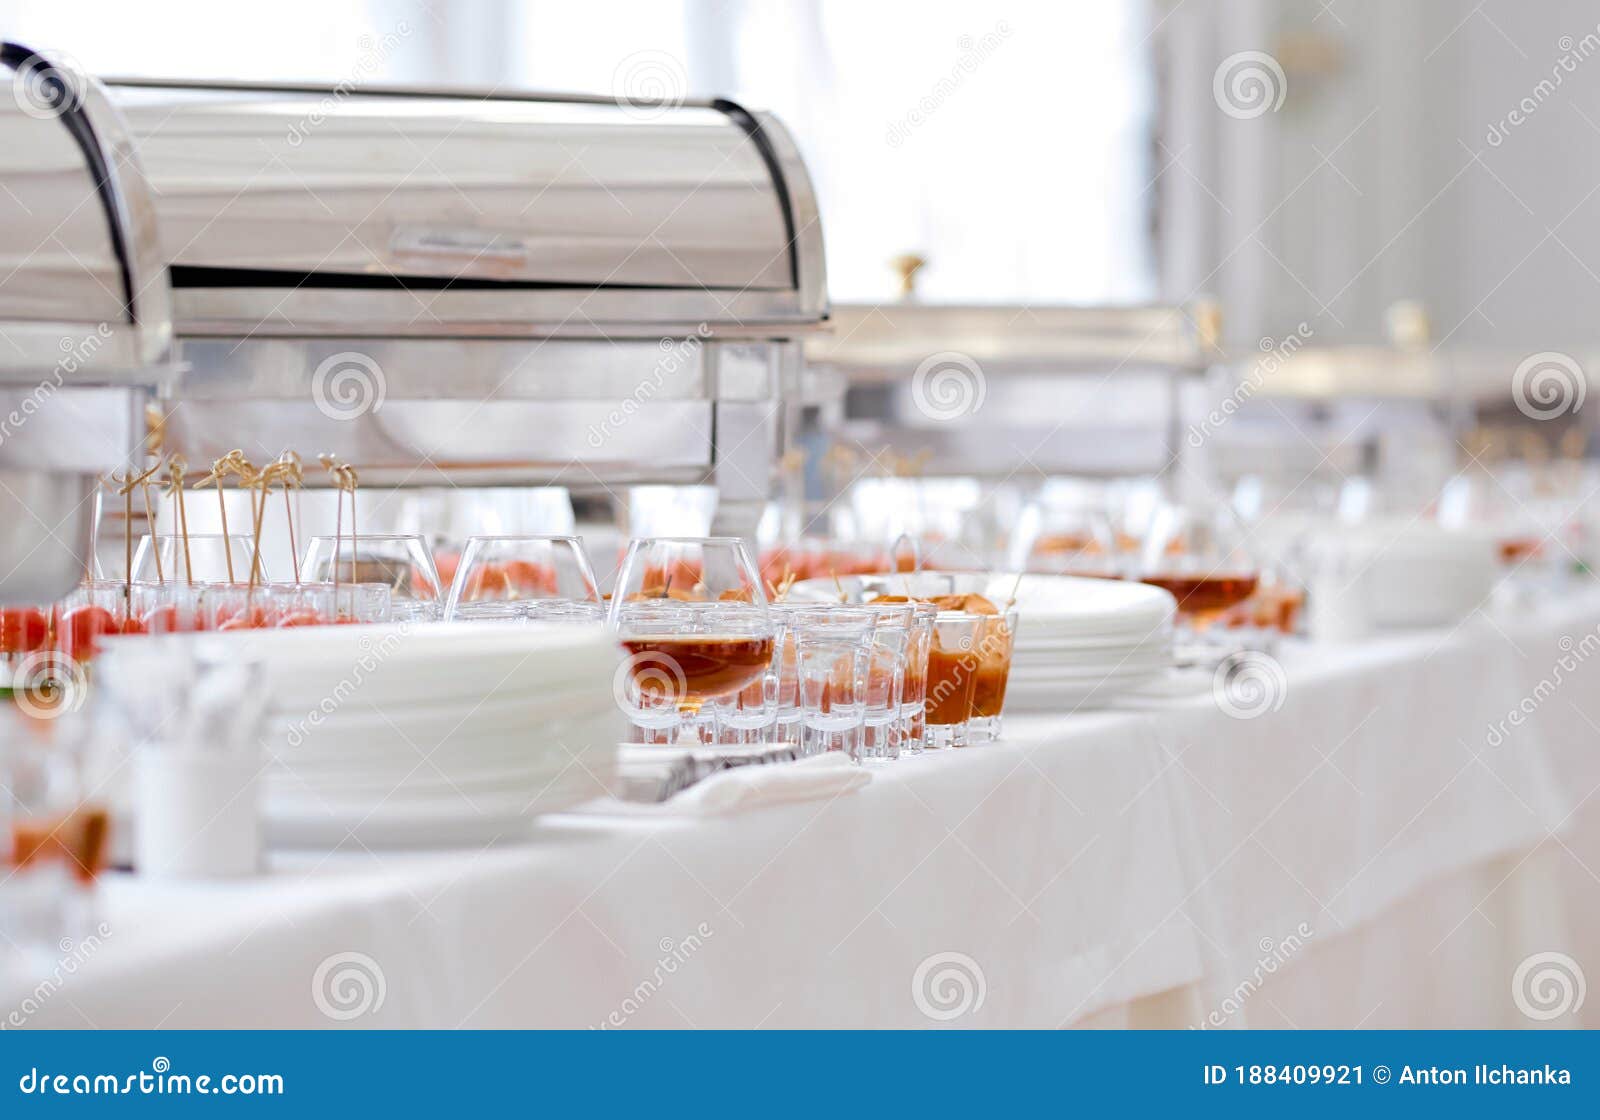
[[951, 679], [996, 639], [914, 692], [833, 649], [886, 672]]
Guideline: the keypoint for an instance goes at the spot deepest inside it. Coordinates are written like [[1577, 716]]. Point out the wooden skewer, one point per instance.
[[129, 481], [263, 479], [291, 472], [218, 470], [150, 517], [347, 477], [331, 465], [176, 467], [125, 483]]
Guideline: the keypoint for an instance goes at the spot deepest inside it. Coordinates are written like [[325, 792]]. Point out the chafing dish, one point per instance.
[[483, 289], [1010, 391], [85, 324]]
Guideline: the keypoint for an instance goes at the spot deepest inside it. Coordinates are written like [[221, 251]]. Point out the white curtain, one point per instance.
[[1008, 143]]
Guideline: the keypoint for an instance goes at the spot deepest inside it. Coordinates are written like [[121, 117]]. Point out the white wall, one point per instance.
[[1375, 180]]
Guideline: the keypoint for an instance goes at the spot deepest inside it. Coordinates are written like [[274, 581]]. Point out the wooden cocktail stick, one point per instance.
[[292, 473], [263, 479], [176, 468], [331, 465], [129, 482], [347, 478], [150, 517], [219, 468], [124, 481]]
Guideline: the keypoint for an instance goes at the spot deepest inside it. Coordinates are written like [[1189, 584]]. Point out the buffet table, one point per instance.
[[1363, 848]]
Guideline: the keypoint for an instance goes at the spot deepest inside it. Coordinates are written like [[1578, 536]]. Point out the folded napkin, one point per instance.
[[746, 787]]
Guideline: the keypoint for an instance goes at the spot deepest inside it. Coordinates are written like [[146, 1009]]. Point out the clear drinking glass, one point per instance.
[[833, 648], [996, 639], [951, 678], [24, 632], [53, 840], [89, 612], [401, 561], [750, 716], [886, 675], [356, 603], [213, 558], [787, 662], [497, 570], [688, 569], [691, 656], [1198, 554], [914, 691], [693, 620]]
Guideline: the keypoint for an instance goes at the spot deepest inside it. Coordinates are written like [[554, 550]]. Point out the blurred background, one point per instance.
[[1051, 151], [1365, 219]]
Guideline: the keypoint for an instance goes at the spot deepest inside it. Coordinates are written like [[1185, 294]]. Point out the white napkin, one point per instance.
[[746, 787]]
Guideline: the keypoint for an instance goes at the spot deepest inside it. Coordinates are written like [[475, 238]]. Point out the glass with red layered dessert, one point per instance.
[[520, 578], [401, 561]]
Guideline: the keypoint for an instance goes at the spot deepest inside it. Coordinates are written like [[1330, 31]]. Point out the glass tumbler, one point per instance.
[[833, 650], [996, 640], [952, 678]]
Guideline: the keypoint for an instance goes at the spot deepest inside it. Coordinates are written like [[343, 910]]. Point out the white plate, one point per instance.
[[1034, 660], [464, 751], [397, 664], [1045, 603]]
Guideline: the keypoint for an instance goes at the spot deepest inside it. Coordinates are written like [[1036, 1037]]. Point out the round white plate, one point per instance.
[[1085, 606]]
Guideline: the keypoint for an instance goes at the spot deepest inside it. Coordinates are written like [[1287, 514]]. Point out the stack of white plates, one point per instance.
[[1080, 642], [428, 735]]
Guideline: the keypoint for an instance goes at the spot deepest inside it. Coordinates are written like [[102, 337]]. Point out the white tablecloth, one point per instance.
[[1362, 855]]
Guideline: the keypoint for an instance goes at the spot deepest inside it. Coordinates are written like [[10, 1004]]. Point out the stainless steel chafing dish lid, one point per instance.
[[83, 285], [890, 340], [303, 211]]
